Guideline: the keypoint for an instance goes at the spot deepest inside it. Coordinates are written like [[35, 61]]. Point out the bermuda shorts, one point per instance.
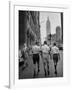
[[35, 58], [55, 58]]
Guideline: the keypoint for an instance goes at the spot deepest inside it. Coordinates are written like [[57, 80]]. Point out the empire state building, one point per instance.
[[48, 27]]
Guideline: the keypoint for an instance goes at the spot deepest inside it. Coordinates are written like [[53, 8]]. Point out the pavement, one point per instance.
[[27, 72]]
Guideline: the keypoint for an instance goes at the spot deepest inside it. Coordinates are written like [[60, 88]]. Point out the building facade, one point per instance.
[[58, 35], [29, 27]]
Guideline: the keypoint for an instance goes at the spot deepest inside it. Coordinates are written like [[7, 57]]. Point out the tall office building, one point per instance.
[[58, 34], [48, 31], [48, 27]]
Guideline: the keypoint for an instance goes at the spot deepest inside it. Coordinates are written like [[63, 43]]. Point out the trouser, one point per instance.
[[46, 63], [55, 58]]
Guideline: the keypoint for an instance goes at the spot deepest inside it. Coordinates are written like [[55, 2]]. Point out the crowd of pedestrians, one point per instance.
[[46, 53]]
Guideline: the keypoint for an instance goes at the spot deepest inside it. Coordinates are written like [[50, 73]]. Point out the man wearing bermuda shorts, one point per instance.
[[36, 58], [56, 56]]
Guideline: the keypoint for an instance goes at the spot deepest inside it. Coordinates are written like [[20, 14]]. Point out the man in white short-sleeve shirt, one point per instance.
[[36, 58], [45, 54], [56, 56]]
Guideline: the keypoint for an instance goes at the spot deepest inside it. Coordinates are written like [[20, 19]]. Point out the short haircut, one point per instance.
[[45, 42], [36, 43], [54, 44]]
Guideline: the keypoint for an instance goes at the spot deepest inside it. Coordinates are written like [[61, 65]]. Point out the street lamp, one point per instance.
[[50, 38]]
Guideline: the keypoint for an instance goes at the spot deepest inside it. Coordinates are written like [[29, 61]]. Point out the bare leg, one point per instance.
[[45, 68], [48, 67], [55, 66], [34, 67]]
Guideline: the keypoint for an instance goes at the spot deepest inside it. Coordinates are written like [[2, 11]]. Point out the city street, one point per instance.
[[28, 71]]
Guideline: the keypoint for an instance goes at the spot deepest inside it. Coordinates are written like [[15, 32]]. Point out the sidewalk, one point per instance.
[[28, 71]]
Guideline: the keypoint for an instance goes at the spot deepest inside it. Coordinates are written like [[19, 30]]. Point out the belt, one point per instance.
[[45, 53], [35, 53]]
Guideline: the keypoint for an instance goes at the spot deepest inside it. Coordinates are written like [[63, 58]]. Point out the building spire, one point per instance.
[[48, 26]]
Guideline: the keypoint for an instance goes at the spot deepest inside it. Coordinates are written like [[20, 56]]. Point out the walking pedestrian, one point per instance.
[[56, 56], [45, 54], [36, 58], [24, 56]]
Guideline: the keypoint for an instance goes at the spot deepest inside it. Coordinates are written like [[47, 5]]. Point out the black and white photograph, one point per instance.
[[40, 51]]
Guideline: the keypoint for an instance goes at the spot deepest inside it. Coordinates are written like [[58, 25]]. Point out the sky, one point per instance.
[[55, 20]]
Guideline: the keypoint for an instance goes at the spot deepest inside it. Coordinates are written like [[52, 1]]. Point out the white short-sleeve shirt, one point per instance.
[[55, 49], [35, 49], [45, 49]]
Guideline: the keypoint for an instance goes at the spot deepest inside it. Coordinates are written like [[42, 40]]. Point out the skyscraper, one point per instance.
[[48, 27], [48, 31], [58, 34]]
